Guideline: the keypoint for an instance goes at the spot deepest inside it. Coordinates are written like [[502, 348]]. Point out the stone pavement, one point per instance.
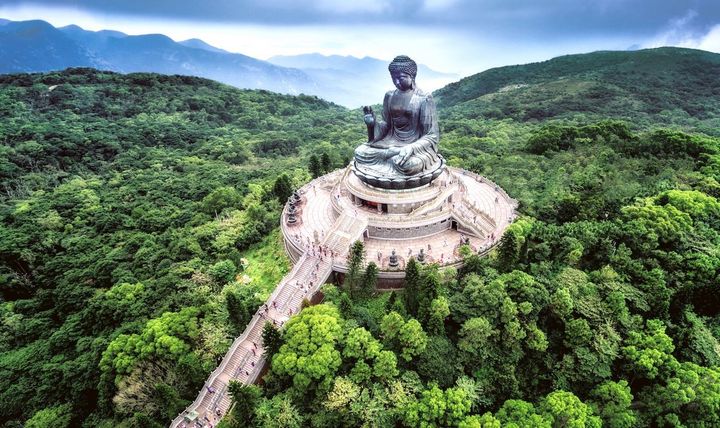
[[479, 204]]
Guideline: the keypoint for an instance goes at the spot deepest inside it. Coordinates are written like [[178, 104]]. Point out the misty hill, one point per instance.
[[356, 81], [199, 44], [31, 46], [36, 46], [650, 85]]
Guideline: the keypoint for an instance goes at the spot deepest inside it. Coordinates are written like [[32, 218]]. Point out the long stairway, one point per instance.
[[244, 361]]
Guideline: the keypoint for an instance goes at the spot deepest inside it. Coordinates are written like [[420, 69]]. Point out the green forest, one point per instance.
[[139, 220]]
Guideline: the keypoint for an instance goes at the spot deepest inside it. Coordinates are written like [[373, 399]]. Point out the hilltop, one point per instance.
[[663, 85]]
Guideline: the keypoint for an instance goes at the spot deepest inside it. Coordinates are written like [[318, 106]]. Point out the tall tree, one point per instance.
[[272, 340], [369, 279], [282, 188], [236, 310], [246, 399], [355, 266], [412, 286], [613, 401], [310, 353], [278, 411], [439, 311], [326, 162], [430, 289], [314, 166], [508, 251]]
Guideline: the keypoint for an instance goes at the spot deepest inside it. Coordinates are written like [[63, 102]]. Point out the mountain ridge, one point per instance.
[[621, 84], [73, 46], [200, 44], [37, 46]]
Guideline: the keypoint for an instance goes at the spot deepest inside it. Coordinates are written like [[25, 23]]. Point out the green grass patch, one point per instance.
[[267, 262]]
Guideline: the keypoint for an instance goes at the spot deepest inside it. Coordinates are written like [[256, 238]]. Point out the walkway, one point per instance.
[[244, 360]]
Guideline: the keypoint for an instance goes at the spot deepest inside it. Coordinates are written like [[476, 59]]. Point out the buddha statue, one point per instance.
[[402, 147]]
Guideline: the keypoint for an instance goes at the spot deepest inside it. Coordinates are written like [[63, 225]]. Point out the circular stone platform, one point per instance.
[[458, 206]]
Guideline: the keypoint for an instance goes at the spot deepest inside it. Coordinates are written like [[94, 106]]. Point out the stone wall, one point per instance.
[[408, 232]]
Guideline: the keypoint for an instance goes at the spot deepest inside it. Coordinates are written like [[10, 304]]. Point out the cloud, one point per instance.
[[519, 17], [678, 32], [683, 21], [458, 36], [349, 7], [711, 40], [682, 32], [438, 5]]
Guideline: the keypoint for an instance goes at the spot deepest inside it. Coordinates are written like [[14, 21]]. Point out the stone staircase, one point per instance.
[[244, 361], [468, 225], [437, 202], [473, 220], [347, 229], [483, 221]]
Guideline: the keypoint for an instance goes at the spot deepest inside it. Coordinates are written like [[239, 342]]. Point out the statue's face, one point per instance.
[[402, 81]]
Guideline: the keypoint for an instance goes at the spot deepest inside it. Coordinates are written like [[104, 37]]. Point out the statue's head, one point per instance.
[[403, 71]]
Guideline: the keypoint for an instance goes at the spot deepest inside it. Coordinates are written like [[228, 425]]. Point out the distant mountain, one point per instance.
[[31, 46], [79, 33], [356, 81], [650, 85], [333, 62], [38, 46], [350, 64], [199, 44]]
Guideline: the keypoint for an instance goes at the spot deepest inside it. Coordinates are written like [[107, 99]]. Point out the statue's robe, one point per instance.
[[408, 120]]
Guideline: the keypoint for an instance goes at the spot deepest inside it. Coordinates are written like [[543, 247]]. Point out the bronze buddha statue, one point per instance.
[[402, 148]]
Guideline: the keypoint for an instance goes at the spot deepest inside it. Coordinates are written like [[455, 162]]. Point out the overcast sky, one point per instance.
[[458, 36]]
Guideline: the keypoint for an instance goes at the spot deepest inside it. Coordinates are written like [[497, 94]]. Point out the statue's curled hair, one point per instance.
[[403, 64]]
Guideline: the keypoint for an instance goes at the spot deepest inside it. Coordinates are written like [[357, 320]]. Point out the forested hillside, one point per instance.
[[128, 203], [137, 224], [670, 86]]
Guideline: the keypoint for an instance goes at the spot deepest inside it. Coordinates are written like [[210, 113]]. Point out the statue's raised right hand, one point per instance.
[[369, 116]]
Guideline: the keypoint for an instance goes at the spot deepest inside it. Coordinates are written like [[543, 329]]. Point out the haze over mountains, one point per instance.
[[351, 78], [547, 89], [33, 46]]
